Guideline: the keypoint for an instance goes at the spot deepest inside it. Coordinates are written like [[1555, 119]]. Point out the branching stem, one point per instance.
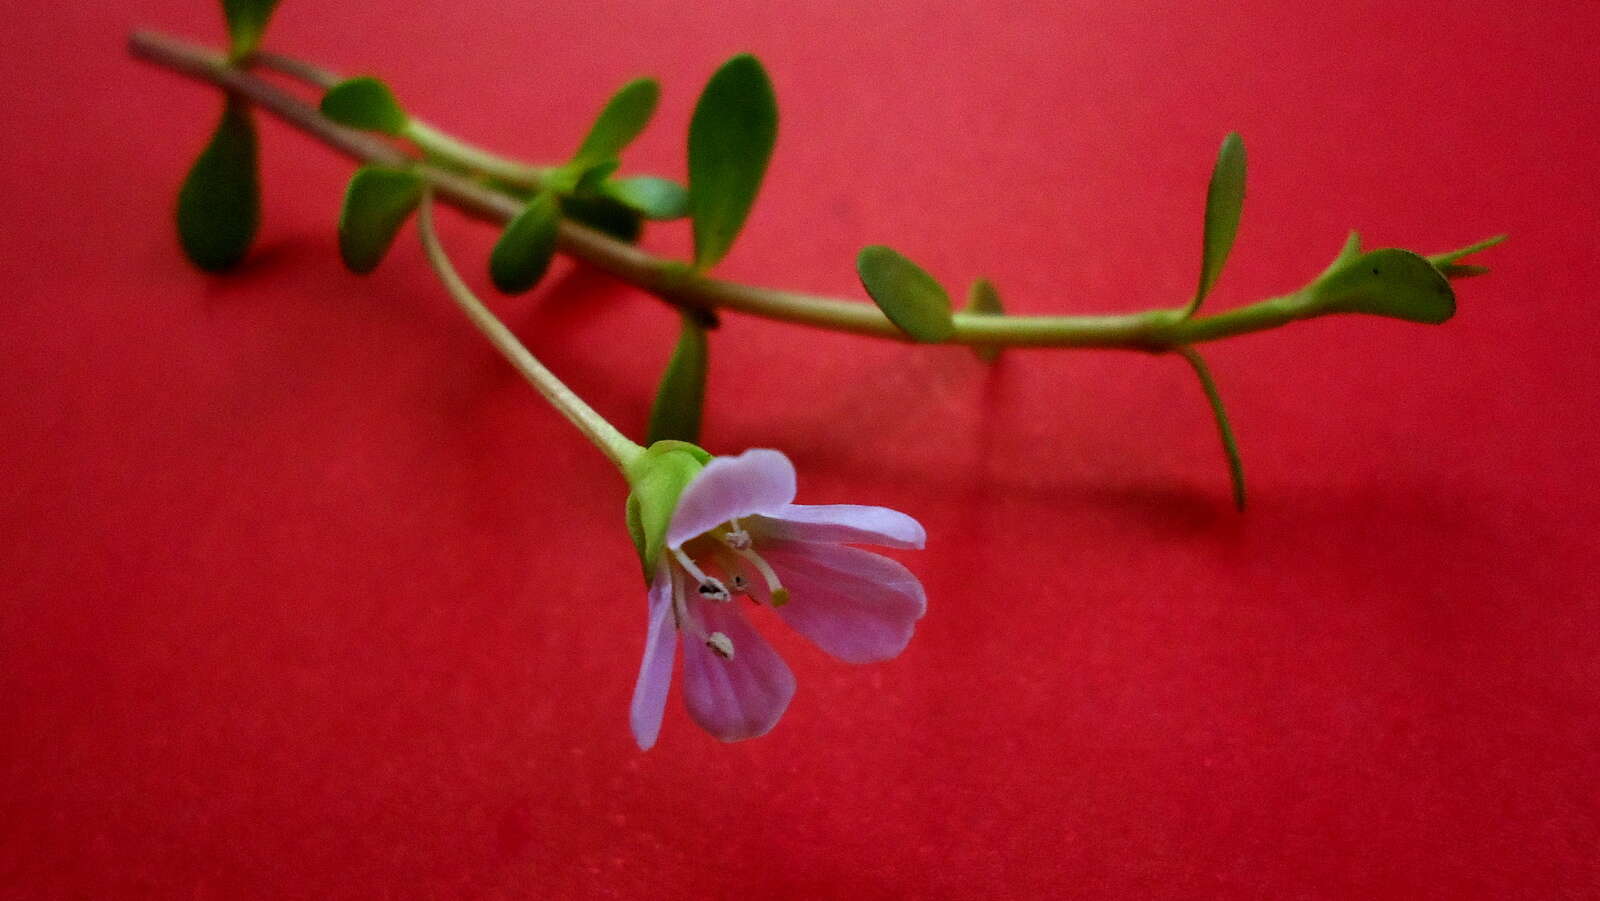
[[1153, 331]]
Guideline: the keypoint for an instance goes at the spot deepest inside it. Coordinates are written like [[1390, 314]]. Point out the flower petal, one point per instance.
[[655, 669], [856, 605], [756, 481], [844, 524], [738, 698]]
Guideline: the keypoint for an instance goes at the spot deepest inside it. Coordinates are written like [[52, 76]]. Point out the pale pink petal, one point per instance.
[[843, 524], [655, 670], [756, 481], [738, 698], [856, 605]]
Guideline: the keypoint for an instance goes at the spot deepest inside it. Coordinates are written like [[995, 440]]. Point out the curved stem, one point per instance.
[[1152, 331], [603, 434]]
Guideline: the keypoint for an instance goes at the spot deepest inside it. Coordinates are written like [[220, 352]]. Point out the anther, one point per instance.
[[720, 644], [709, 588], [775, 589]]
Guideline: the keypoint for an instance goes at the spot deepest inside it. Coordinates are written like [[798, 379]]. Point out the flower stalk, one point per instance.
[[595, 427]]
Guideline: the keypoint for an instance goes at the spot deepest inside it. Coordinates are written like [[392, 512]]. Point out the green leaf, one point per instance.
[[377, 202], [219, 205], [657, 477], [523, 253], [652, 197], [1224, 203], [603, 214], [1448, 264], [907, 294], [247, 22], [625, 115], [1230, 447], [731, 136], [984, 300], [1385, 282], [365, 103], [676, 412]]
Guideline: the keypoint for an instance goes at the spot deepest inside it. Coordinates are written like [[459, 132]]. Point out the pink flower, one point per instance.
[[735, 532]]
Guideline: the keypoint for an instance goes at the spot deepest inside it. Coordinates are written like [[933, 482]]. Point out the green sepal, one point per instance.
[[731, 136], [1448, 263], [604, 214], [525, 248], [219, 204], [247, 22], [376, 204], [912, 299], [1385, 282], [656, 479], [655, 198], [365, 103], [624, 116], [675, 415], [984, 300], [1224, 204]]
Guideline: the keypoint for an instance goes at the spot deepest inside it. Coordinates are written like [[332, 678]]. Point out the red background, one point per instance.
[[306, 594]]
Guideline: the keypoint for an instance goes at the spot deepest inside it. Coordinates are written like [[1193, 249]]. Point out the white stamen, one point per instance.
[[709, 588], [775, 589], [720, 644]]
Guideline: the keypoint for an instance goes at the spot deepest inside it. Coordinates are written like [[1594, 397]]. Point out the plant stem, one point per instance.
[[1153, 331], [603, 434]]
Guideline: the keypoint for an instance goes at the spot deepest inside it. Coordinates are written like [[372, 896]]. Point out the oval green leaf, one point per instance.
[[651, 197], [1230, 446], [604, 214], [523, 253], [625, 115], [911, 298], [247, 22], [984, 300], [1386, 282], [676, 412], [1224, 204], [731, 136], [365, 103], [219, 205], [377, 202]]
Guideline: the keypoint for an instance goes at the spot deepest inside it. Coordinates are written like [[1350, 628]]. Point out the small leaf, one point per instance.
[[652, 197], [365, 103], [1224, 203], [219, 205], [984, 300], [625, 115], [603, 214], [676, 412], [907, 294], [1230, 448], [247, 22], [377, 202], [1448, 263], [657, 478], [523, 253], [731, 136], [1385, 282]]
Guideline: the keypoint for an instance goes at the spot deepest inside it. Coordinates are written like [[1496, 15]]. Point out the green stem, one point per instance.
[[1152, 331], [603, 434], [451, 150], [437, 144]]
